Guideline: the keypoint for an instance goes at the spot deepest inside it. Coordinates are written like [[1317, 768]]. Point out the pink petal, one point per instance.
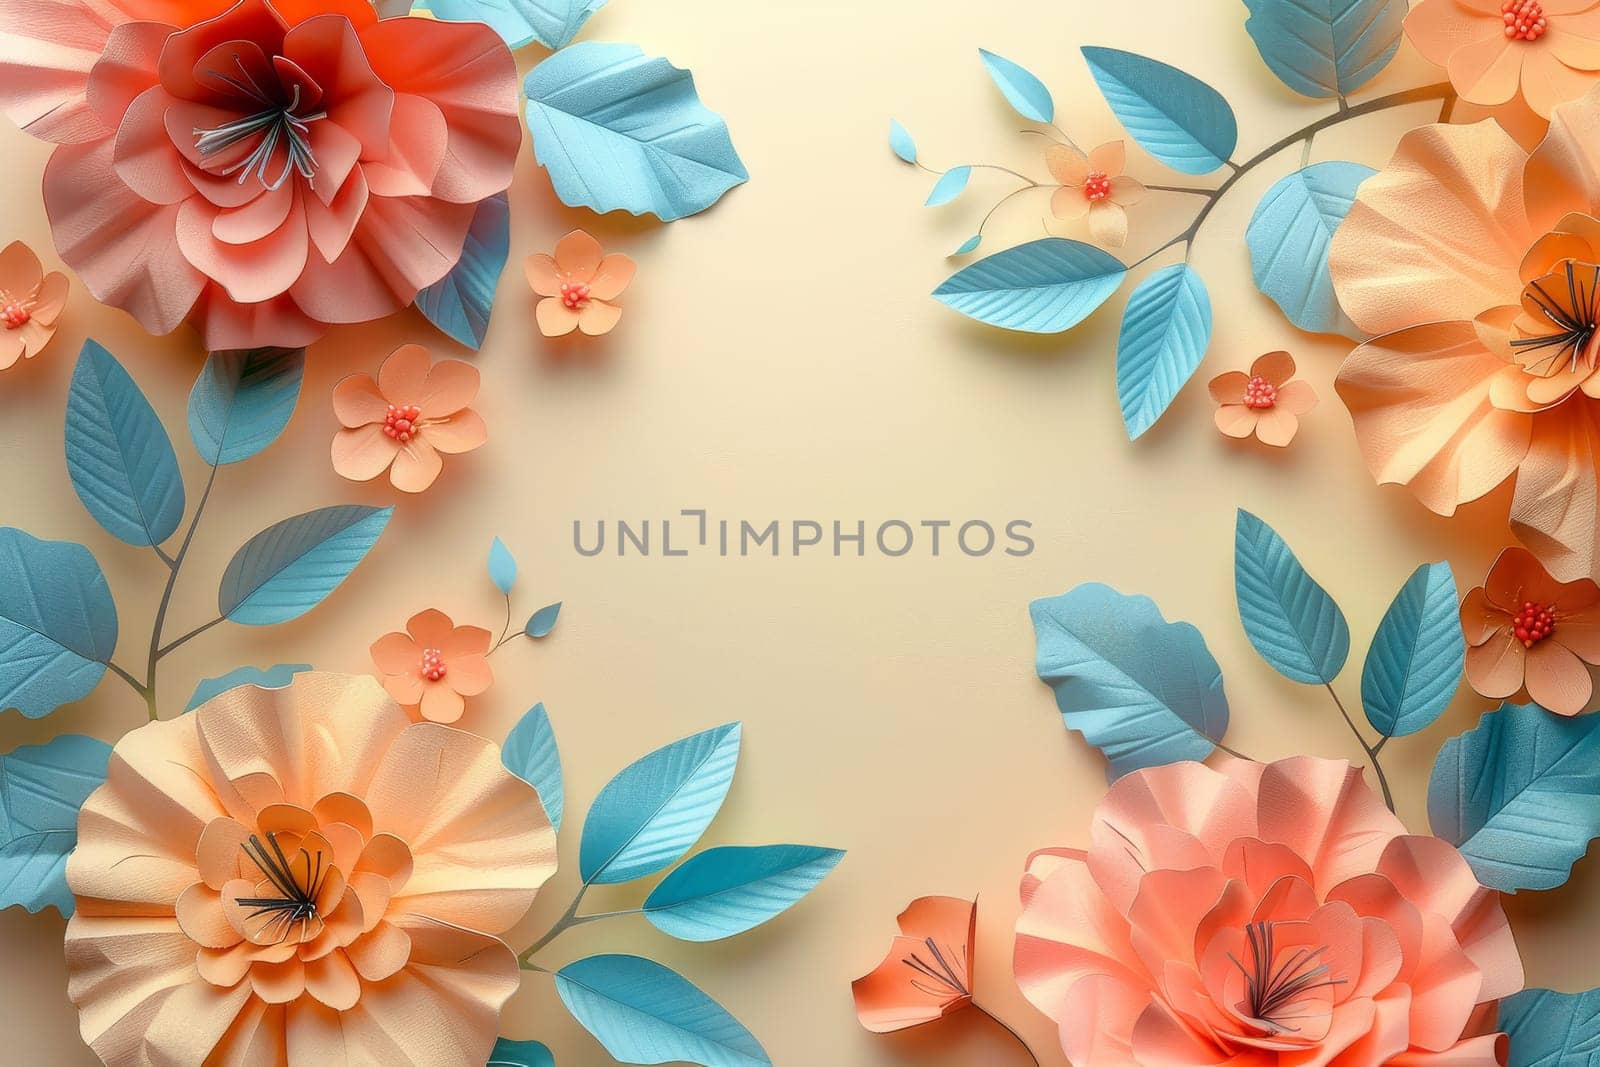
[[44, 69], [416, 150]]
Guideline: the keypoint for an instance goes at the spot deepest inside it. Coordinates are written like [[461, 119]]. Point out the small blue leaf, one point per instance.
[[275, 677], [1022, 90], [58, 624], [502, 566], [41, 789], [619, 129], [461, 302], [651, 812], [541, 622], [531, 754], [1044, 286], [509, 1053], [949, 186], [552, 23], [901, 143], [290, 567], [119, 457], [1519, 795], [1289, 235], [242, 401], [1143, 690], [1174, 116], [1165, 331], [726, 891], [1550, 1029], [969, 245], [1322, 48], [1291, 620], [1417, 656], [644, 1013]]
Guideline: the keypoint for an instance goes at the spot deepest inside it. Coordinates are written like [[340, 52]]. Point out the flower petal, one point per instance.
[[1557, 679], [357, 401], [612, 276], [461, 432], [363, 453], [416, 466], [1108, 223], [451, 385], [1553, 511]]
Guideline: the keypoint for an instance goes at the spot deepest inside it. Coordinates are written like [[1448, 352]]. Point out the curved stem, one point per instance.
[[1002, 201], [1371, 750], [1008, 1028], [196, 632], [176, 563], [505, 631]]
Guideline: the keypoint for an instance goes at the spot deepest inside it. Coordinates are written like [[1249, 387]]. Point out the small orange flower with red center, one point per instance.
[[1525, 630], [402, 420], [1094, 185], [434, 666], [30, 303], [1267, 402], [580, 285], [928, 971]]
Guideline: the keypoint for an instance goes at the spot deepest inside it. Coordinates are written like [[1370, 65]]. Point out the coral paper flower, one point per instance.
[[1525, 629], [1262, 914], [301, 875], [30, 303], [263, 168], [928, 971], [404, 419], [580, 285], [1094, 185], [1475, 263], [1544, 52], [1267, 402], [434, 665]]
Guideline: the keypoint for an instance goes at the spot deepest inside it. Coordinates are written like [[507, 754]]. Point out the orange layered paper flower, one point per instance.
[[1262, 914], [301, 875], [402, 420], [928, 971], [1267, 402], [1497, 52], [1094, 185], [1526, 630], [1476, 265], [580, 285], [264, 168], [30, 303], [432, 667]]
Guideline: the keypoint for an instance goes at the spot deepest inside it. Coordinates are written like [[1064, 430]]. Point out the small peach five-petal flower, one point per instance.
[[1526, 630], [580, 285], [434, 666], [1267, 402], [404, 419], [30, 303], [928, 971], [1094, 185]]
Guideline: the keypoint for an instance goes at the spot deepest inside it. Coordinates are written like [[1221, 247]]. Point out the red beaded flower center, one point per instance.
[[1259, 393], [432, 666], [574, 294], [15, 314], [1096, 187], [1534, 623], [400, 422], [1524, 19]]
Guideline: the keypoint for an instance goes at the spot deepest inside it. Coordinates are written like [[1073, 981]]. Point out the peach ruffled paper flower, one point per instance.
[[1526, 630], [927, 973], [30, 303], [301, 875], [1094, 185], [580, 285], [1267, 402], [402, 420], [1506, 53], [433, 666], [1263, 914], [263, 168], [1475, 263]]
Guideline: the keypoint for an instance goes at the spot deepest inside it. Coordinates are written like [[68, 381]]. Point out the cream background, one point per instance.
[[779, 357]]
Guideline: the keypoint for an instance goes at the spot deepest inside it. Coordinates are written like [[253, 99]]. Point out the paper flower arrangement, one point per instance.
[[1525, 630], [406, 419], [433, 666], [1539, 53], [1266, 403], [30, 303], [927, 973], [1094, 186], [580, 285]]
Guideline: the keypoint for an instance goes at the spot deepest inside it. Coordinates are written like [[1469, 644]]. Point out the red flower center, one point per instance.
[[15, 314], [1259, 393], [574, 294], [432, 665], [401, 422], [1096, 187], [1534, 623], [1524, 19]]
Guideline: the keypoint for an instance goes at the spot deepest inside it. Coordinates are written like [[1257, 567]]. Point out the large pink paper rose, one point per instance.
[[264, 168], [1261, 915]]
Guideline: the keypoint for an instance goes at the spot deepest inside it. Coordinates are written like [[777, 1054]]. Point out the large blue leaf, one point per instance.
[[242, 401], [290, 567], [119, 457], [58, 624], [1550, 1029], [1044, 286], [655, 808], [461, 302], [1289, 235], [1417, 655], [1291, 620], [1165, 331], [41, 789], [552, 23], [1519, 795], [1326, 47], [726, 891], [644, 1013], [619, 129], [509, 1053], [531, 754], [1174, 116], [1143, 690], [1021, 89], [274, 677]]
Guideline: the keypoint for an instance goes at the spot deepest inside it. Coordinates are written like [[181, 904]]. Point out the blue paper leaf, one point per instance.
[[461, 302], [1519, 795], [1550, 1029], [949, 186], [901, 143], [644, 1013], [1022, 90], [1417, 656], [275, 677], [119, 457], [1044, 286], [508, 1053], [1323, 48], [41, 789], [290, 567], [726, 891], [1165, 331], [1174, 116], [242, 401], [541, 622], [651, 812], [58, 625], [969, 245], [502, 566], [552, 23], [1143, 690], [1291, 620], [619, 129], [531, 754], [1289, 235]]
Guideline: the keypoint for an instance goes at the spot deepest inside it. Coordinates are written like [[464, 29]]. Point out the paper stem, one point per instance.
[[568, 919], [174, 565], [1371, 750], [505, 632], [1008, 1028]]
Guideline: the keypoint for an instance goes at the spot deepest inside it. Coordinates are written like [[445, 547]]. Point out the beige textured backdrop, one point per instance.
[[780, 358]]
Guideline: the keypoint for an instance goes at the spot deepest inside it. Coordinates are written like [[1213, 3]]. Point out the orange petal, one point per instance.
[[333, 981], [362, 454], [1553, 511], [1108, 224], [1557, 679], [461, 432], [555, 318], [1236, 420], [202, 917], [1109, 158], [895, 996], [470, 675], [465, 641], [1547, 82], [544, 277], [357, 401], [405, 688], [450, 386], [1297, 396], [612, 277], [1067, 165], [1276, 367], [1068, 203], [1560, 175], [1480, 620], [381, 953], [278, 983], [441, 703], [403, 377], [1495, 667], [597, 317], [415, 467], [1277, 426], [1438, 27], [1228, 387], [192, 1021], [20, 270], [395, 653], [1127, 191], [430, 628], [578, 256], [1488, 70]]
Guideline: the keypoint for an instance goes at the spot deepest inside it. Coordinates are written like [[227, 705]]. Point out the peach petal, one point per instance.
[[461, 432], [1066, 932], [12, 348], [381, 953], [405, 688], [1067, 165], [416, 150], [46, 66], [1236, 420], [1581, 634], [1109, 158], [277, 323], [225, 967], [578, 256], [388, 857], [1167, 913], [1098, 1019], [374, 893], [441, 703], [278, 983], [1487, 71], [470, 675], [333, 224], [611, 277], [1547, 82], [464, 641], [20, 270], [416, 466], [1438, 27], [1069, 204], [220, 849], [430, 628], [395, 653], [1276, 367], [1553, 510], [544, 277], [1495, 668], [201, 915], [333, 981], [1574, 45], [249, 273], [357, 401], [328, 49], [191, 1022], [889, 998], [126, 68], [1127, 191], [362, 454], [1228, 387], [1562, 172], [1160, 1040], [597, 318], [450, 385], [1108, 223], [1297, 397], [1557, 679], [51, 299], [403, 375], [1277, 427], [1325, 811], [555, 319], [255, 221]]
